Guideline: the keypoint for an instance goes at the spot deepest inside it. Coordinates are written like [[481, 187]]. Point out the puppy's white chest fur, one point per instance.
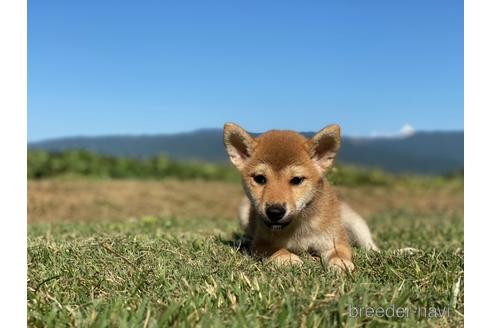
[[309, 238]]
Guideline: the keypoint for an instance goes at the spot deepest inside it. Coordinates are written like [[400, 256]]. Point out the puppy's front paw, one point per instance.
[[284, 258], [339, 264]]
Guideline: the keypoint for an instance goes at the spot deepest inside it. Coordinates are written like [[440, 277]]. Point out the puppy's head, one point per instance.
[[281, 170]]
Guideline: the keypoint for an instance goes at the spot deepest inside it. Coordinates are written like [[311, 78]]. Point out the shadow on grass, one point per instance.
[[239, 241]]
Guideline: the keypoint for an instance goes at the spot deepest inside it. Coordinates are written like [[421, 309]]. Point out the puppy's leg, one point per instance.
[[244, 213], [275, 255], [246, 222], [339, 257], [356, 227]]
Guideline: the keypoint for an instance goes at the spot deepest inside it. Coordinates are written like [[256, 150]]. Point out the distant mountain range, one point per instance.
[[421, 152]]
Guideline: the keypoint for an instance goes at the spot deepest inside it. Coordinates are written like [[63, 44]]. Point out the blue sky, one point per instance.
[[145, 67]]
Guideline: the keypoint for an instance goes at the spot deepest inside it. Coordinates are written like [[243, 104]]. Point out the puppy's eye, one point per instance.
[[260, 179], [296, 180]]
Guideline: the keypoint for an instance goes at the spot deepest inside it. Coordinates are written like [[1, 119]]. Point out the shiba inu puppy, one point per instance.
[[290, 206]]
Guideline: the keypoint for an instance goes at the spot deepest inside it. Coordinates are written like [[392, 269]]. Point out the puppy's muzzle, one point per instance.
[[275, 212]]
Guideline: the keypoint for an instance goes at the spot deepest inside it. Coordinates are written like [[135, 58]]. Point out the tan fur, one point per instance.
[[313, 220]]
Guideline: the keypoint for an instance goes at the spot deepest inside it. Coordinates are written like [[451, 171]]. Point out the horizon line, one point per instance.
[[137, 135]]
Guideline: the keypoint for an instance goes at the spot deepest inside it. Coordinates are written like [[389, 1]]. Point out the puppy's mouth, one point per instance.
[[276, 226]]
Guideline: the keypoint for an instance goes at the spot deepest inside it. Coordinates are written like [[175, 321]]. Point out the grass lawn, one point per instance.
[[159, 271]]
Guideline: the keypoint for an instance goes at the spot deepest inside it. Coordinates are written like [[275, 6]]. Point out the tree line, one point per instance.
[[72, 163]]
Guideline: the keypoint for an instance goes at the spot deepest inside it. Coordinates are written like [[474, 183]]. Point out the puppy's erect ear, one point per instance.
[[324, 146], [239, 144]]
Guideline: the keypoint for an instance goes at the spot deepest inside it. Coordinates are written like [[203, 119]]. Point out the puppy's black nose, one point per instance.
[[275, 212]]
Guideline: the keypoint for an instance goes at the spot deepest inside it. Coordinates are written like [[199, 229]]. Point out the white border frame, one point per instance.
[[13, 177], [478, 197]]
